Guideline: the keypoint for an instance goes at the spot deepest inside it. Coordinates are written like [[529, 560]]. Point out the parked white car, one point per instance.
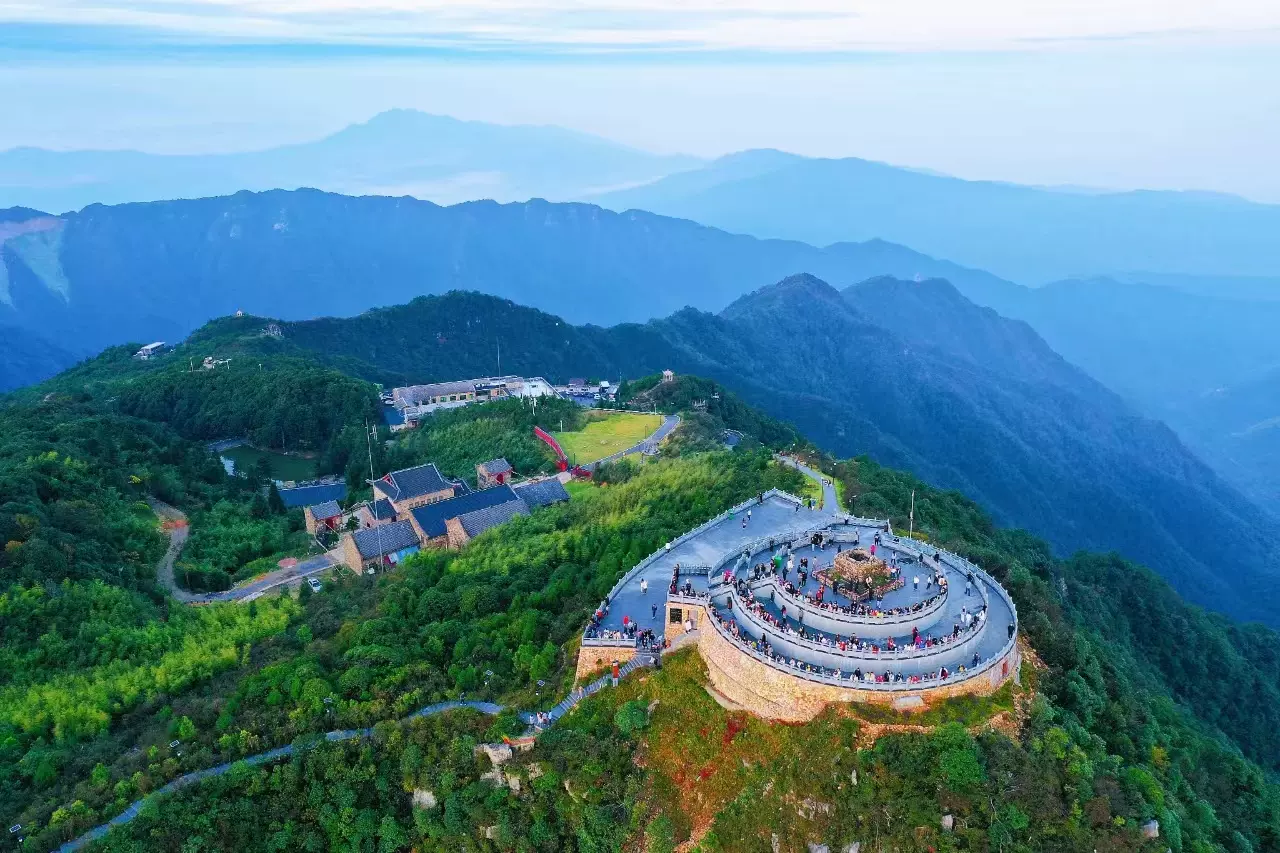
[[314, 584]]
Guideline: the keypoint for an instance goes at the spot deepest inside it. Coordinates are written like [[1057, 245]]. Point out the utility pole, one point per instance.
[[498, 341], [371, 432]]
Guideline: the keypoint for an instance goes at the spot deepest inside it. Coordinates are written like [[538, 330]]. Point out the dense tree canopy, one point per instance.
[[1142, 707]]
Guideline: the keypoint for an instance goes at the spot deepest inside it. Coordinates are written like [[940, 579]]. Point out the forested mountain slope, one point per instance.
[[1180, 357], [912, 374], [1129, 720], [1125, 724]]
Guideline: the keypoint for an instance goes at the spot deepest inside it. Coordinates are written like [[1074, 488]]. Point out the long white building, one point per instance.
[[422, 399]]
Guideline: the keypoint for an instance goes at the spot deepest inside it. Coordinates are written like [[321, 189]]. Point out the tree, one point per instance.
[[185, 729], [958, 762], [631, 717], [274, 502]]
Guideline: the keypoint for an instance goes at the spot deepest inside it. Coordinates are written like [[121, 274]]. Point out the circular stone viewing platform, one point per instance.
[[795, 607]]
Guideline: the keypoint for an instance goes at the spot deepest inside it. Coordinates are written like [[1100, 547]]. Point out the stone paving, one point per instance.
[[773, 517]]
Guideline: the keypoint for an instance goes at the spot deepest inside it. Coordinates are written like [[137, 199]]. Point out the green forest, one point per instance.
[[1138, 707]]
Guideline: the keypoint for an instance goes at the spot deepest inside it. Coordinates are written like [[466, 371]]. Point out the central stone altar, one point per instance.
[[858, 566], [860, 573]]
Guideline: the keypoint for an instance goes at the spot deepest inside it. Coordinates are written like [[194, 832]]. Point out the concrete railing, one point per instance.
[[903, 653], [957, 562], [888, 686], [853, 620], [759, 546], [988, 581], [609, 642]]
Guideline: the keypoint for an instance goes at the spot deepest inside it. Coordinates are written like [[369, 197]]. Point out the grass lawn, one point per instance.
[[606, 433], [283, 466], [578, 488]]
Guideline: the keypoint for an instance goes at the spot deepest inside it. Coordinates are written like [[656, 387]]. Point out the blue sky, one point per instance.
[[1121, 93]]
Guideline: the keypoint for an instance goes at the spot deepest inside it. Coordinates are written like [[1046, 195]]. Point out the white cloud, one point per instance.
[[786, 26]]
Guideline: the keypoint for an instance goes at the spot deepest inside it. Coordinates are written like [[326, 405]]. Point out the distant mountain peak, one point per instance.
[[22, 214], [932, 287], [798, 292]]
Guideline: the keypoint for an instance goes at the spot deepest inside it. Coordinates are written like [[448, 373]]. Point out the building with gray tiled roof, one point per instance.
[[430, 520], [435, 392], [323, 514], [410, 488], [328, 509], [495, 472], [538, 493], [385, 543], [466, 527]]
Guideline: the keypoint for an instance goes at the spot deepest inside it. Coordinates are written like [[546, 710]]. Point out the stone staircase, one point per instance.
[[642, 659]]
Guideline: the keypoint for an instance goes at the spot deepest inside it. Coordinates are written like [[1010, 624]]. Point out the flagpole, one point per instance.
[[370, 434], [913, 512]]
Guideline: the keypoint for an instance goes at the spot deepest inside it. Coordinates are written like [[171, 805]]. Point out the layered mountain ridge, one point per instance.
[[910, 373]]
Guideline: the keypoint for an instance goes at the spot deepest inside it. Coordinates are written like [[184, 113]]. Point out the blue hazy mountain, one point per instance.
[[1236, 428], [158, 270], [1247, 287], [400, 152], [26, 358], [1027, 234], [1206, 365]]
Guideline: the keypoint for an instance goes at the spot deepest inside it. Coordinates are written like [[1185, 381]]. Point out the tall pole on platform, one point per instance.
[[370, 435], [913, 512]]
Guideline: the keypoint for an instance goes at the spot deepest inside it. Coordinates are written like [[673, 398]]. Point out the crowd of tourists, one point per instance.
[[966, 624], [762, 647], [819, 601], [631, 630]]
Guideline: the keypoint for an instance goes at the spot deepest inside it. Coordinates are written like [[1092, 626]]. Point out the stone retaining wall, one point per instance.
[[775, 694], [595, 658]]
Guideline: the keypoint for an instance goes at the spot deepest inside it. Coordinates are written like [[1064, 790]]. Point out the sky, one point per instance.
[[1098, 93]]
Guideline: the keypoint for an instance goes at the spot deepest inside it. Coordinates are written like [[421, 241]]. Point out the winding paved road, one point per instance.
[[668, 425], [178, 533]]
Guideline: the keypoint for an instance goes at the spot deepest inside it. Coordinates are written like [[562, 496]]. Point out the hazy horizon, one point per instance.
[[1048, 97]]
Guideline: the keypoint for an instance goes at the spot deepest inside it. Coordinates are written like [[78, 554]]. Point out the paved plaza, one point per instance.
[[969, 617]]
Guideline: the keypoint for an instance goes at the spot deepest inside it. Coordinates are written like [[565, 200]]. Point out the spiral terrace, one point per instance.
[[757, 599]]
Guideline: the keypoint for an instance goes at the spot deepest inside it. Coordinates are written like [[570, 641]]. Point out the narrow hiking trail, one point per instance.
[[174, 521], [829, 496], [556, 713]]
